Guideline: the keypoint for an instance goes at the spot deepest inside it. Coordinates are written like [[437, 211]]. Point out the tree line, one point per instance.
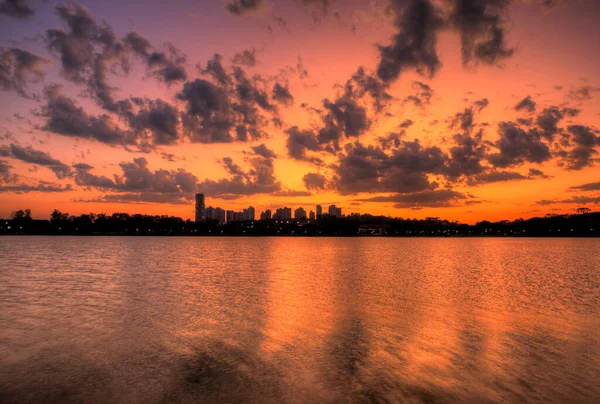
[[582, 223]]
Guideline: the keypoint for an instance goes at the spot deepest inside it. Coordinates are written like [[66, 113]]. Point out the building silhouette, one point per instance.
[[319, 211], [266, 215], [312, 215], [300, 213], [200, 208], [335, 211]]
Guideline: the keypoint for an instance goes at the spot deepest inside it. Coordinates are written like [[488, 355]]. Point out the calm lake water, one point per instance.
[[153, 320]]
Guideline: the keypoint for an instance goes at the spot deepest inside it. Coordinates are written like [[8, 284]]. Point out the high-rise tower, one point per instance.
[[200, 208]]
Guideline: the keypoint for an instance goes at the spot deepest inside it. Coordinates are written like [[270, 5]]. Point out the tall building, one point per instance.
[[312, 215], [319, 211], [249, 214], [230, 216], [287, 214], [209, 214], [333, 211], [266, 215], [300, 213], [338, 212], [200, 208], [220, 215]]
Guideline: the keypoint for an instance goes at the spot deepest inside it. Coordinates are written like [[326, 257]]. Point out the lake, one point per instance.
[[295, 320]]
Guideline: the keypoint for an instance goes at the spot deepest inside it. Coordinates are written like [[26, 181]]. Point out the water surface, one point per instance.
[[152, 320]]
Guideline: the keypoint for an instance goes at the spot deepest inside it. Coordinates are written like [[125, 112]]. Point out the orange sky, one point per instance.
[[555, 55]]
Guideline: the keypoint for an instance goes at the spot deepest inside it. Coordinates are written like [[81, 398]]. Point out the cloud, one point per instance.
[[579, 150], [421, 94], [440, 198], [18, 68], [88, 52], [16, 8], [592, 186], [527, 104], [44, 187], [282, 94], [466, 155], [579, 200], [414, 45], [245, 58], [480, 26], [65, 118], [138, 183], [550, 117], [244, 7], [517, 146], [402, 170], [481, 104], [315, 181], [30, 155], [159, 118], [584, 93], [300, 141], [259, 179]]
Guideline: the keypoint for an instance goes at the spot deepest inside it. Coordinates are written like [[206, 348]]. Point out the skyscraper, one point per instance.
[[300, 213], [287, 214], [200, 208], [230, 216], [319, 211], [312, 215], [266, 215], [333, 211]]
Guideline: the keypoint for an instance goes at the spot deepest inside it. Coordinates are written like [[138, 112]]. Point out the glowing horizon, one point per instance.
[[463, 110]]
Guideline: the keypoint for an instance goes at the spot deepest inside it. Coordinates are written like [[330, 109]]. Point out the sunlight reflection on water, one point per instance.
[[113, 319]]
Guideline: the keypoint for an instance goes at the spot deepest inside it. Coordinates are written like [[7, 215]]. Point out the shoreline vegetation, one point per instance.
[[582, 224]]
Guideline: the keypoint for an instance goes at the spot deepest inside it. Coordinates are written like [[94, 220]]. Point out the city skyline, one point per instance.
[[294, 103], [210, 213]]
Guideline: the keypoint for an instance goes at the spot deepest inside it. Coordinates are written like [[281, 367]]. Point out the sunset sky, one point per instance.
[[460, 109]]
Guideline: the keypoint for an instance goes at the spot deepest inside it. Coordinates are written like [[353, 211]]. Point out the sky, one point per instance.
[[461, 109]]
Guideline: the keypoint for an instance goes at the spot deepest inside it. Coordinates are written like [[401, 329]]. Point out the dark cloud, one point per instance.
[[159, 118], [480, 26], [44, 187], [463, 120], [342, 118], [362, 84], [88, 52], [527, 104], [215, 69], [496, 176], [16, 8], [245, 58], [414, 45], [210, 117], [167, 65], [481, 104], [244, 7], [466, 155], [30, 155], [19, 67], [439, 198], [259, 179], [315, 181], [64, 117], [403, 169], [421, 94], [581, 147], [137, 183], [584, 93], [282, 94], [407, 123], [592, 186], [549, 119], [579, 200], [300, 141], [517, 146]]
